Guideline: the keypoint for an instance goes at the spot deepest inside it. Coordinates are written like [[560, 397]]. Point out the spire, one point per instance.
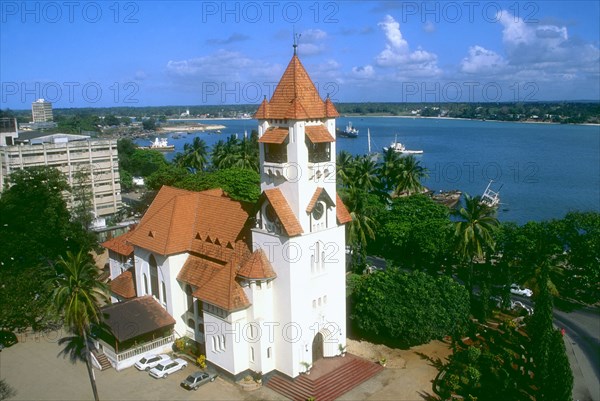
[[296, 97]]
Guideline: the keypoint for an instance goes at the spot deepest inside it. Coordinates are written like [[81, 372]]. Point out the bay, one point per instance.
[[543, 171]]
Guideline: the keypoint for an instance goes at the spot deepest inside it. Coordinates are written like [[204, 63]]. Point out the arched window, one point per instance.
[[145, 284], [190, 299], [154, 277], [164, 293]]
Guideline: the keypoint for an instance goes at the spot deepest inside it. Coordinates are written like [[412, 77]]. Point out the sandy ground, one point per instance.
[[33, 369], [408, 374]]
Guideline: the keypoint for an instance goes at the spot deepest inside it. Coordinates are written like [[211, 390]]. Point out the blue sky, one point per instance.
[[151, 53]]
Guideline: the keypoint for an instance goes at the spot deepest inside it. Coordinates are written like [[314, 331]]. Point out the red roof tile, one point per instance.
[[343, 216], [177, 217], [296, 97], [284, 212], [274, 135], [257, 266], [318, 134], [215, 282], [120, 244], [124, 284], [320, 193]]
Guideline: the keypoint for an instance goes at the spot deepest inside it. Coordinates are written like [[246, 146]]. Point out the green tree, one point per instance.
[[240, 184], [344, 164], [194, 156], [474, 231], [558, 385], [144, 162], [415, 232], [168, 174], [362, 227], [149, 124], [409, 176], [77, 295], [389, 306]]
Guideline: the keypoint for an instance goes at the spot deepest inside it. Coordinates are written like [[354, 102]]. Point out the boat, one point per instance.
[[373, 155], [447, 198], [160, 144], [490, 198], [400, 148], [349, 131]]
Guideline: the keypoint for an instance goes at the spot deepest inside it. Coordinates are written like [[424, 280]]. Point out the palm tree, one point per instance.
[[389, 169], [77, 295], [410, 174], [364, 174], [474, 232], [360, 228], [195, 155], [344, 165]]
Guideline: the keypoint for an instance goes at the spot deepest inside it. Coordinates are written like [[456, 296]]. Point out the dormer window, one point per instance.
[[318, 142], [275, 153], [274, 142]]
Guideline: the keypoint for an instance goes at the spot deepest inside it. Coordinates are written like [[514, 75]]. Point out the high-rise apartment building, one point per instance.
[[41, 111]]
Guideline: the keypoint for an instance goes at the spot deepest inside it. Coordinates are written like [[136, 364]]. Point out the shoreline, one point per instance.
[[414, 117]]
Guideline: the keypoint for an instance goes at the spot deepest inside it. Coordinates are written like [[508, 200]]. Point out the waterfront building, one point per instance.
[[257, 288]]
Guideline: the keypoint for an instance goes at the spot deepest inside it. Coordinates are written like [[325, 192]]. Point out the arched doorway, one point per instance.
[[317, 347]]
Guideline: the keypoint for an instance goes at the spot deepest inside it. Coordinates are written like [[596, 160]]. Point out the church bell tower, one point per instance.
[[300, 222]]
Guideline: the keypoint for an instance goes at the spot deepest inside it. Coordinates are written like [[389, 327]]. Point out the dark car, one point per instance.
[[7, 338], [196, 379]]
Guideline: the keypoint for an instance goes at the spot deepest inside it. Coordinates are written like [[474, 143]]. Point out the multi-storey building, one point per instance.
[[41, 111], [84, 161]]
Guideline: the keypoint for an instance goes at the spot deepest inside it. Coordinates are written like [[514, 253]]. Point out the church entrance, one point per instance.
[[317, 347]]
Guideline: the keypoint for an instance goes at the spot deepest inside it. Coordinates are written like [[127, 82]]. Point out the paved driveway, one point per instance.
[[33, 369]]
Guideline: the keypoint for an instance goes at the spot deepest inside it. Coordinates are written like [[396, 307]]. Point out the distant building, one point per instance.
[[41, 111], [70, 154], [8, 132]]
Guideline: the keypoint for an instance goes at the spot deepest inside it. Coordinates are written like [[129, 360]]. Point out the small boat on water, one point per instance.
[[400, 148], [490, 198], [349, 131], [160, 144], [447, 198]]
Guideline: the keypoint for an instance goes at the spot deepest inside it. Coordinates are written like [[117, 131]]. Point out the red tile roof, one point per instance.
[[296, 97], [274, 135], [284, 212], [176, 217], [318, 134], [124, 284], [320, 193], [215, 282], [120, 244], [257, 266], [343, 216]]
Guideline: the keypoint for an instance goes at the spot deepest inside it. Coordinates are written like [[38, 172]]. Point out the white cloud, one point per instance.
[[397, 54], [482, 60], [311, 42]]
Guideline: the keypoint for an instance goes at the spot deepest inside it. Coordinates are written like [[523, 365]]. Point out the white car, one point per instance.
[[518, 290], [165, 368], [150, 361]]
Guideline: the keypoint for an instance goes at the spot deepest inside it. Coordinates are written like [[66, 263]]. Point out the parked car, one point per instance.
[[7, 338], [196, 379], [165, 368], [150, 361], [518, 290]]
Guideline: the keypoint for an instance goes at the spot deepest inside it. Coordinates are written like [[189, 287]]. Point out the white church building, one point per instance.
[[261, 287]]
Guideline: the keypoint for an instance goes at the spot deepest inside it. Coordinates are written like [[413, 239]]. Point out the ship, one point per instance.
[[160, 144], [447, 198], [400, 148], [349, 131], [490, 198]]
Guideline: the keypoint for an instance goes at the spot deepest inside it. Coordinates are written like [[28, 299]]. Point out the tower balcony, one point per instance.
[[322, 171], [283, 169]]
